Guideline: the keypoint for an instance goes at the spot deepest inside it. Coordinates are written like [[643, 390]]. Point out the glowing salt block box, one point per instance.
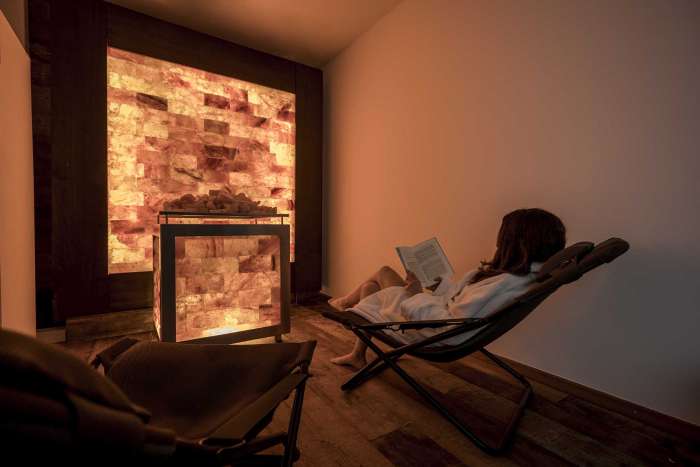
[[221, 282]]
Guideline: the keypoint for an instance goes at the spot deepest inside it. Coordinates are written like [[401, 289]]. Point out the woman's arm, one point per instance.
[[413, 285]]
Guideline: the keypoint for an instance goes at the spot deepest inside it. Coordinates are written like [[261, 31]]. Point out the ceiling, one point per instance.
[[307, 31]]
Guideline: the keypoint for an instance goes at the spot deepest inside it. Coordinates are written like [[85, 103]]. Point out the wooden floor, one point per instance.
[[384, 423]]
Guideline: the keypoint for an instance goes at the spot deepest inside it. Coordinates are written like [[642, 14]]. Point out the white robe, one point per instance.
[[452, 299]]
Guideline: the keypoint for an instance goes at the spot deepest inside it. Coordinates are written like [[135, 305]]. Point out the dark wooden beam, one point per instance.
[[79, 162], [40, 46], [130, 291], [308, 181]]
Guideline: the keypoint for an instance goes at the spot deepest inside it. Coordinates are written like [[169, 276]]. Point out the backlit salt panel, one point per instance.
[[226, 284], [174, 130]]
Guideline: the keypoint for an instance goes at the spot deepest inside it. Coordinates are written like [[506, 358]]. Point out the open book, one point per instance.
[[426, 260]]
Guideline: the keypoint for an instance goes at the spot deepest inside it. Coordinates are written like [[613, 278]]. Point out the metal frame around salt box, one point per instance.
[[168, 232]]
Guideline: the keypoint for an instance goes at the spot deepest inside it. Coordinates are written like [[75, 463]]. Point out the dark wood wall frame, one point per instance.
[[77, 145], [79, 162]]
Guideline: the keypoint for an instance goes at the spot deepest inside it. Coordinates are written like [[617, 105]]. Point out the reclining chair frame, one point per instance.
[[388, 359], [564, 267]]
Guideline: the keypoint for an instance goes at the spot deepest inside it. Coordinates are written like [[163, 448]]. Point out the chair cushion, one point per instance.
[[195, 388]]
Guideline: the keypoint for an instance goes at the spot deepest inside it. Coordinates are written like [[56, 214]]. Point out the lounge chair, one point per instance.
[[161, 403], [562, 268]]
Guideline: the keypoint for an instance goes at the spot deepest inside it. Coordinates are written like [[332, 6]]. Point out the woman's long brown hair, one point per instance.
[[526, 236]]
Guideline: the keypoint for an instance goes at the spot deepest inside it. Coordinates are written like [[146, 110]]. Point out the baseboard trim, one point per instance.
[[55, 335], [634, 411]]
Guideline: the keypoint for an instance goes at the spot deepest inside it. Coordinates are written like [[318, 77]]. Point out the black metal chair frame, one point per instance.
[[388, 359], [564, 267], [239, 447], [247, 453]]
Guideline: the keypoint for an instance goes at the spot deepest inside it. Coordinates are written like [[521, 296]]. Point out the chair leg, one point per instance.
[[290, 448], [373, 368], [507, 436], [524, 399]]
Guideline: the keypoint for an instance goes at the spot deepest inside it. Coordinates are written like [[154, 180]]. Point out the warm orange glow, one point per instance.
[[174, 130], [225, 284]]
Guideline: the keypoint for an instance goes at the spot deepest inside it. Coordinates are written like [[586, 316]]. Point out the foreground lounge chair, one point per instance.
[[564, 267], [161, 404]]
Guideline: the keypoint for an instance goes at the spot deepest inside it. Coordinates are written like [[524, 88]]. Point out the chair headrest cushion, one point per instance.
[[604, 252], [572, 253]]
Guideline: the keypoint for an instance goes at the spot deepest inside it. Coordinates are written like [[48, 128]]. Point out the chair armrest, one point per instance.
[[432, 323]]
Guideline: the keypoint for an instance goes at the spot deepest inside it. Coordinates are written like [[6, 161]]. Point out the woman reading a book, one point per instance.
[[526, 239]]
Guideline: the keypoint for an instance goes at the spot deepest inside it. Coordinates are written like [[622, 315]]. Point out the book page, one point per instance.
[[432, 261], [409, 261], [426, 260]]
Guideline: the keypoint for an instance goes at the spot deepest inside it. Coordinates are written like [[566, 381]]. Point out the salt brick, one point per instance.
[[268, 245], [255, 297], [241, 246], [199, 248], [256, 263]]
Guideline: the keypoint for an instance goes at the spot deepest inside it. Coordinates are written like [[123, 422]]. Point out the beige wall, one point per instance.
[[17, 296], [448, 114]]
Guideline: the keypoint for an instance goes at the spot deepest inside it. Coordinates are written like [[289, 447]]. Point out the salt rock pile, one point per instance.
[[222, 201]]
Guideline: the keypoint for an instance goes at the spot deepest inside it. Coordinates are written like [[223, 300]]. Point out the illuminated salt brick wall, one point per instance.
[[226, 284], [174, 130]]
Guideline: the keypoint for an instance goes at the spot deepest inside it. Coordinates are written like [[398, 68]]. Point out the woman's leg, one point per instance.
[[383, 278], [357, 358]]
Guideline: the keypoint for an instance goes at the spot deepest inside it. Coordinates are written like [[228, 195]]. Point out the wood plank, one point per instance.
[[479, 366], [81, 349], [487, 415], [384, 422], [554, 437], [320, 418], [644, 415], [79, 162], [490, 412], [39, 36], [623, 434], [639, 440], [399, 405], [368, 414], [308, 172], [314, 448], [554, 389], [130, 291], [409, 447], [628, 435], [104, 325]]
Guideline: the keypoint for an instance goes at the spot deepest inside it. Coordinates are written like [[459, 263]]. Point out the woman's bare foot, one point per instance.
[[351, 360], [338, 303]]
